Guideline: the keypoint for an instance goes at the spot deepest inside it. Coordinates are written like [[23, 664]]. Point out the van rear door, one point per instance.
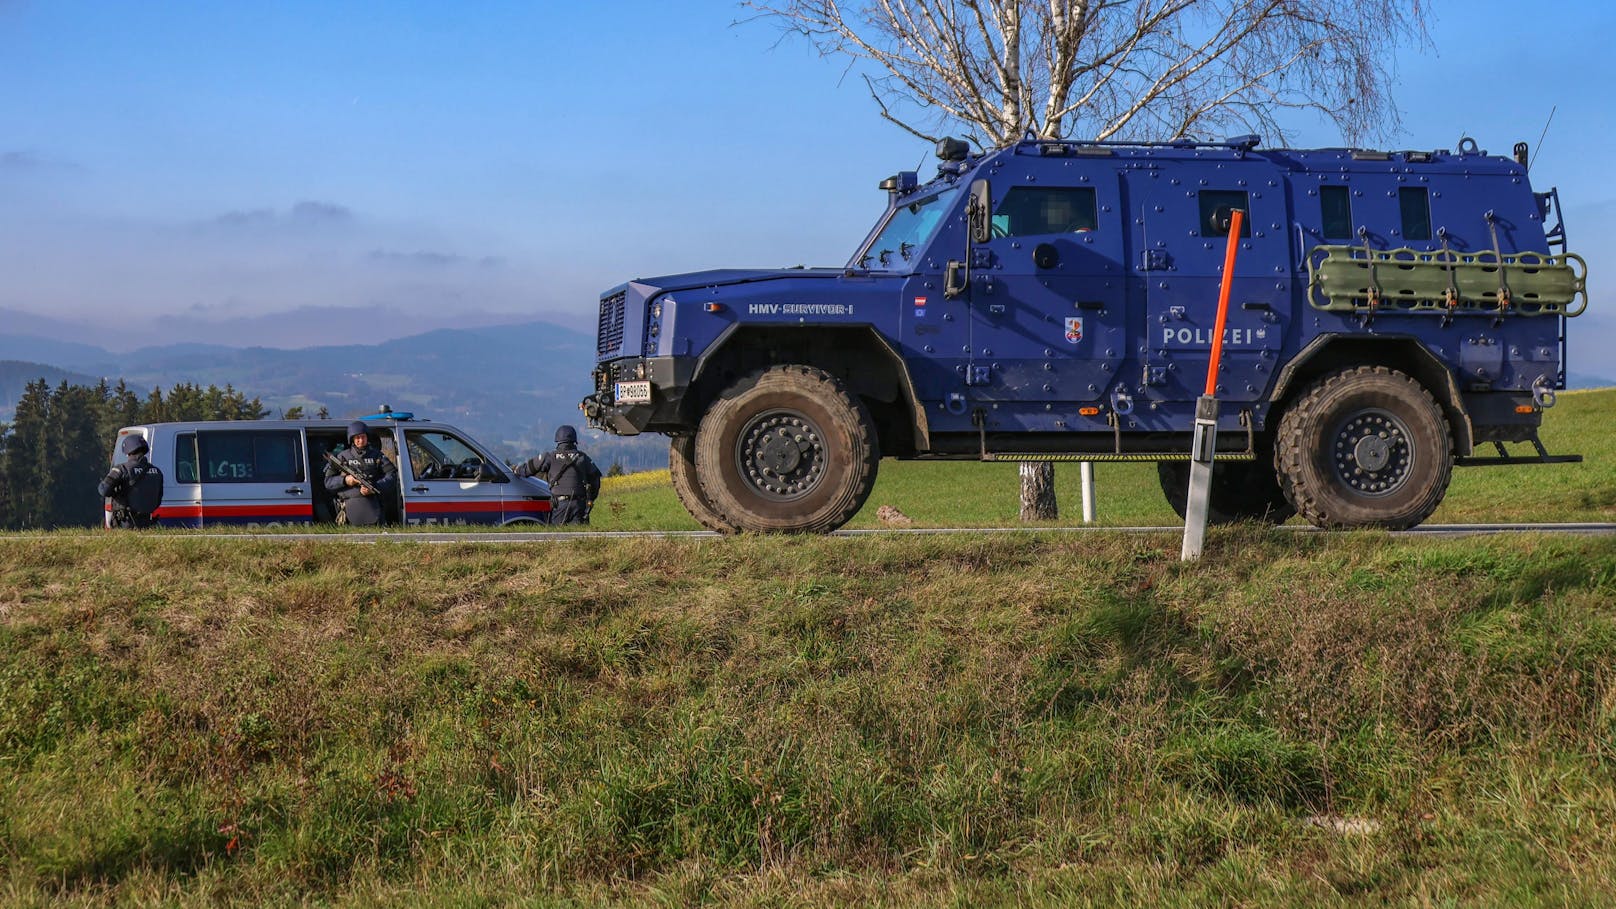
[[253, 477]]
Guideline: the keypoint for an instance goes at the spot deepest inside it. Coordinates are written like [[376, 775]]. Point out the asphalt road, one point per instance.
[[1426, 530]]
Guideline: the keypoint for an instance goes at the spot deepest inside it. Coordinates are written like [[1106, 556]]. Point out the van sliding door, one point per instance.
[[253, 477]]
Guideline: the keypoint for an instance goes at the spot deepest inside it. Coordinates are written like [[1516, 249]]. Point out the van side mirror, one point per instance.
[[979, 212], [488, 473]]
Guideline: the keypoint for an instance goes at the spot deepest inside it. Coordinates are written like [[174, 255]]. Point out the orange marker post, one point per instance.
[[1204, 446]]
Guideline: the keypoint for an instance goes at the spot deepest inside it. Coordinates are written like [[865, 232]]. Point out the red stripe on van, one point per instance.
[[417, 505], [235, 511]]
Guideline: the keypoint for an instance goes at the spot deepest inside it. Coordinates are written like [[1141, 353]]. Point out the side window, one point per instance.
[[253, 456], [185, 458], [441, 456], [1216, 204], [1029, 210], [1336, 202], [1415, 203]]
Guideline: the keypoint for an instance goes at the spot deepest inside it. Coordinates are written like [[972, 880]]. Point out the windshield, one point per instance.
[[909, 228]]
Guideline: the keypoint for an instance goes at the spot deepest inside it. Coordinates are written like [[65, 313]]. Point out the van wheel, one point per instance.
[[1241, 491], [682, 466], [1365, 447], [786, 450]]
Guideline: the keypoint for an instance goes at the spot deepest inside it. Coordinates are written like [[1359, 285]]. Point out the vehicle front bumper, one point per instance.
[[669, 378]]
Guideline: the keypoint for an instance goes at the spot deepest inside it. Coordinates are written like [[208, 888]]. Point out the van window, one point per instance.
[[1215, 207], [1416, 210], [1028, 211], [185, 458], [252, 456], [441, 456], [1336, 203]]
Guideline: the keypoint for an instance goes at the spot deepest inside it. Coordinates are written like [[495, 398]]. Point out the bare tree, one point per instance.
[[1117, 69]]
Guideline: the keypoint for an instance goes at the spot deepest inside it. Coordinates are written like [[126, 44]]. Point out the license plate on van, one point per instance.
[[632, 392]]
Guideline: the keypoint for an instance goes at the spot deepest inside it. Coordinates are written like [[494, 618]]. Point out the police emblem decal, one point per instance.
[[1074, 329]]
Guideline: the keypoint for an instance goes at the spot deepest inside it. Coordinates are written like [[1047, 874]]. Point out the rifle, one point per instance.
[[353, 472]]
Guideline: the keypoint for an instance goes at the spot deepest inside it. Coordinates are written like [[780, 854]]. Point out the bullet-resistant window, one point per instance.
[[262, 456], [1030, 211], [1415, 203], [1336, 203], [1216, 206]]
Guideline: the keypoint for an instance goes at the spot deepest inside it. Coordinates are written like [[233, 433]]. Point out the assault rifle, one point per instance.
[[352, 471]]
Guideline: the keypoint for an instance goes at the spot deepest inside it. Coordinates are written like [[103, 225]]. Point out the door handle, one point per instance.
[[418, 489], [293, 490]]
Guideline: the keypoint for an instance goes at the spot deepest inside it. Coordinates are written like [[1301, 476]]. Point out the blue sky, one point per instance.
[[197, 168]]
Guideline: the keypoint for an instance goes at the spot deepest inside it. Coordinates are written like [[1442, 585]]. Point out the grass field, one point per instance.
[[972, 494], [1034, 719], [1039, 719]]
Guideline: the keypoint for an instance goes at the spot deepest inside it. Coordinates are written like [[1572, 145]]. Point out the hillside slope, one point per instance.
[[1036, 720]]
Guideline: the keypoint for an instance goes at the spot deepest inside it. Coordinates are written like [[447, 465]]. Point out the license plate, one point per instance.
[[632, 392]]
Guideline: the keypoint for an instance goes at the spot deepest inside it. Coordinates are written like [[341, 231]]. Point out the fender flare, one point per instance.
[[1396, 351]]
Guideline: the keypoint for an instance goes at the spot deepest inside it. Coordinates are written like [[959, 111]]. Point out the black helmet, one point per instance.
[[357, 428], [566, 435], [133, 445]]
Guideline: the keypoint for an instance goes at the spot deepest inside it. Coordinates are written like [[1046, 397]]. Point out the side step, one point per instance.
[[1505, 458], [1109, 456], [1115, 454]]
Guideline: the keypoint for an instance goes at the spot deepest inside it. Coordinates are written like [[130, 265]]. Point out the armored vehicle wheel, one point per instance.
[[1241, 491], [682, 466], [1365, 447], [786, 450]]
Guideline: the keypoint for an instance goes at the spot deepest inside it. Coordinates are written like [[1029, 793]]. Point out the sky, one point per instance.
[[299, 173]]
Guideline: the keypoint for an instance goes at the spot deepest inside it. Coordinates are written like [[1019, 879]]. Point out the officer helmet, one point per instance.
[[133, 445], [357, 428], [566, 434]]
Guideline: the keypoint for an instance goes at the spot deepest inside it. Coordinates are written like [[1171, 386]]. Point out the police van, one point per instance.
[[271, 472]]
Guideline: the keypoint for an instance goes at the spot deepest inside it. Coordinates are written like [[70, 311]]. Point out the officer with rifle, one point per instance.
[[573, 477], [135, 487], [362, 478]]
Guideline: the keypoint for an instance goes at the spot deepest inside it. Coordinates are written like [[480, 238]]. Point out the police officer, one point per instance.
[[574, 479], [359, 505], [135, 487]]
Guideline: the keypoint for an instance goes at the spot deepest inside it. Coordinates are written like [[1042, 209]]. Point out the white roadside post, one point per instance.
[[1204, 446], [1086, 471]]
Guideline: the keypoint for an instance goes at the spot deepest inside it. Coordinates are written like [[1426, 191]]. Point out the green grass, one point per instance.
[[1043, 720], [973, 494]]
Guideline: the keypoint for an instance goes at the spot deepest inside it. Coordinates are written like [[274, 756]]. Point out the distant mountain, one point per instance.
[[508, 385], [15, 376], [292, 328], [1583, 380]]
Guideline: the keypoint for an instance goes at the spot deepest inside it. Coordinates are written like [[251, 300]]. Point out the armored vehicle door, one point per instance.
[[447, 481], [1048, 321], [253, 476], [1178, 214]]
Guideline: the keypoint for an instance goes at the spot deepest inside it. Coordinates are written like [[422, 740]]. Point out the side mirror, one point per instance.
[[954, 279], [488, 473], [979, 212]]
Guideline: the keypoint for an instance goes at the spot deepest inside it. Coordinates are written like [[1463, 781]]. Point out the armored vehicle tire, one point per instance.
[[786, 450], [1241, 491], [682, 467], [1365, 447]]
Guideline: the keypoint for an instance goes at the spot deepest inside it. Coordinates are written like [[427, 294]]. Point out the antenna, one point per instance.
[[1545, 132]]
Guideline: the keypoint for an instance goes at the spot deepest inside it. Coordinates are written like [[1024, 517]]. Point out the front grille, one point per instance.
[[610, 338]]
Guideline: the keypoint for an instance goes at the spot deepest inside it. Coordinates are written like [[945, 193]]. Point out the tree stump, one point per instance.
[[1038, 491]]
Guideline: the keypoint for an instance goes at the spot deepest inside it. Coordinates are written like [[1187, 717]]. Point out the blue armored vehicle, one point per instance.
[[1393, 314]]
